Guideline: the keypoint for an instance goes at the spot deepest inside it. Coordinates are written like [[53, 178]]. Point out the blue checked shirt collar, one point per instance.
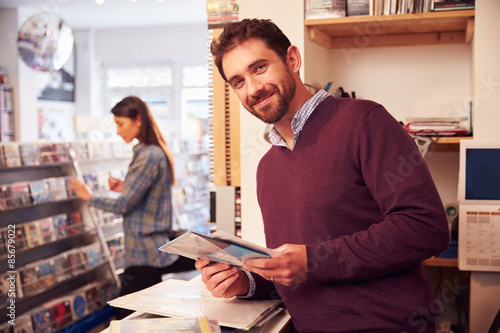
[[298, 120]]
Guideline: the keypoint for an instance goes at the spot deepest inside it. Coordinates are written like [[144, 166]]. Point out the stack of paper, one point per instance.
[[165, 325], [436, 126], [179, 298]]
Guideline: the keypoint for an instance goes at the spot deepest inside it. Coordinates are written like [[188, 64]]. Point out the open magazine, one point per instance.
[[219, 247]]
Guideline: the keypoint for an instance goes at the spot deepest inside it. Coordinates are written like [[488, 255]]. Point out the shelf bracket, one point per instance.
[[469, 30], [320, 37]]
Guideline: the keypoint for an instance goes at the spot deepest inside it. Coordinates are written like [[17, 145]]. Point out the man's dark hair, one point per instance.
[[236, 33]]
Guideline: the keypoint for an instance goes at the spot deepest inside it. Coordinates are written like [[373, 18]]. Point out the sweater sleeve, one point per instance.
[[140, 177], [414, 226]]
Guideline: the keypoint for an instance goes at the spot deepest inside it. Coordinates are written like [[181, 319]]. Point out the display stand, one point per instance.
[[58, 269]]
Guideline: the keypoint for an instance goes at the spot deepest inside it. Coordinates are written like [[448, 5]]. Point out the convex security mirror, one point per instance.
[[45, 42]]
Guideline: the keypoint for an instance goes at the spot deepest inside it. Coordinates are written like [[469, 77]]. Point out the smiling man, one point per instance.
[[344, 194]]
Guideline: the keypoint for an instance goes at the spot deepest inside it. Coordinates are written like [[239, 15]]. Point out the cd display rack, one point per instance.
[[55, 262]]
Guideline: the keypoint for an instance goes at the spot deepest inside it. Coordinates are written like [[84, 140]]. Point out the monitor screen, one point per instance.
[[479, 172], [482, 174]]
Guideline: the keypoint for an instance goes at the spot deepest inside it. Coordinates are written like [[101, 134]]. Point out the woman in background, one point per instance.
[[145, 200]]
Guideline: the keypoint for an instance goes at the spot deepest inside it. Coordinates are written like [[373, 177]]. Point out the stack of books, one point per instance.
[[440, 5]]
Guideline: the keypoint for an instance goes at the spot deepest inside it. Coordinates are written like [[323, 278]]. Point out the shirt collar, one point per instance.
[[299, 119]]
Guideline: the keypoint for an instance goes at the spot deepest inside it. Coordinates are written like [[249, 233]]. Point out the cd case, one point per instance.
[[219, 247]]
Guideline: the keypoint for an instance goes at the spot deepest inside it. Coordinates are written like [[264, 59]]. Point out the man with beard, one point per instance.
[[344, 194]]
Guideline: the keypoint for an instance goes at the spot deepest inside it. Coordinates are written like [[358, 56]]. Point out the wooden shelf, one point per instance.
[[451, 140], [449, 143], [441, 262], [454, 26]]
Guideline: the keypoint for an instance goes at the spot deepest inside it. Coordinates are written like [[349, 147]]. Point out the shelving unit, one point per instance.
[[390, 30], [51, 243], [190, 196], [6, 114]]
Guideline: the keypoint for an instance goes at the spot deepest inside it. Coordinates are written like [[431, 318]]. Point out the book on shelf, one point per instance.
[[179, 298], [92, 181], [393, 7], [79, 305], [41, 320], [20, 238], [440, 5], [47, 229], [61, 150], [33, 234], [4, 236], [58, 189], [78, 261], [7, 122], [4, 198], [12, 155], [165, 325], [40, 191], [95, 255], [62, 267], [317, 9], [46, 273], [23, 324], [28, 276], [75, 224], [60, 222], [30, 154], [219, 246], [95, 298], [47, 153], [19, 195], [7, 281], [60, 310], [2, 157], [81, 150], [359, 7], [6, 100]]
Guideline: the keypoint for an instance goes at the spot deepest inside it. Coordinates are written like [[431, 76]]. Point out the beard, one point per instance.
[[274, 112]]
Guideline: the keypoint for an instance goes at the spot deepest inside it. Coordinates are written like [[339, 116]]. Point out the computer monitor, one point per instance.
[[479, 206], [479, 173]]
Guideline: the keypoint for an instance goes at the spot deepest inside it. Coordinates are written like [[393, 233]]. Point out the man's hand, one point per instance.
[[289, 268], [223, 280]]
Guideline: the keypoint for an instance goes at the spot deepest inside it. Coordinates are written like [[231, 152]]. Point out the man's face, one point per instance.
[[262, 82]]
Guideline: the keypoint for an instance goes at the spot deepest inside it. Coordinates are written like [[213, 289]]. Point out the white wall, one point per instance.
[[185, 44], [485, 286], [253, 146], [182, 45]]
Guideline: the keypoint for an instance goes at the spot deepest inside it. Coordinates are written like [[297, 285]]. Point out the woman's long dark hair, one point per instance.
[[150, 133]]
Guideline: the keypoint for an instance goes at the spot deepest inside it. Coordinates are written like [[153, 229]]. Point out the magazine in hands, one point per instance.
[[219, 247]]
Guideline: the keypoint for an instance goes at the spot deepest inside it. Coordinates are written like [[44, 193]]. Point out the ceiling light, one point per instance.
[[99, 2]]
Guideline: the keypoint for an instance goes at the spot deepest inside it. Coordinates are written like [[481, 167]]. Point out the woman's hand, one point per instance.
[[115, 184], [81, 189], [223, 280]]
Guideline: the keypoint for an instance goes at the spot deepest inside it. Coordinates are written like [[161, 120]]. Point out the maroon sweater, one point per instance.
[[356, 191]]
